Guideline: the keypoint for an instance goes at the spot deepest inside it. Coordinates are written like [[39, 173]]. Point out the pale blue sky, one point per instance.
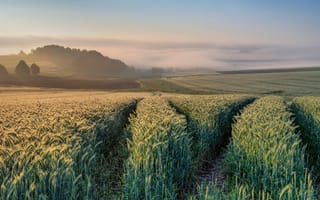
[[127, 29]]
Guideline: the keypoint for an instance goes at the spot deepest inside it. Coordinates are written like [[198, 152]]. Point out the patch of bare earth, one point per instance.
[[213, 172]]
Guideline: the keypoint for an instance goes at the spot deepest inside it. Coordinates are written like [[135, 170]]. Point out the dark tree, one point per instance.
[[3, 71], [35, 69], [22, 68]]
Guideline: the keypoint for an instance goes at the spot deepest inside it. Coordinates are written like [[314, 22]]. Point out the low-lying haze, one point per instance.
[[223, 35]]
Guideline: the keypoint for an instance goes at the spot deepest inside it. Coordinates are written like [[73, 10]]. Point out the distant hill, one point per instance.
[[64, 61]]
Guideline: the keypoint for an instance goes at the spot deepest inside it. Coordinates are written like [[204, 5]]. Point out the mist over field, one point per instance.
[[181, 55]]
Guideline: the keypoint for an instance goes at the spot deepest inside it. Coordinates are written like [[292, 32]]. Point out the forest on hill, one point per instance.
[[64, 61]]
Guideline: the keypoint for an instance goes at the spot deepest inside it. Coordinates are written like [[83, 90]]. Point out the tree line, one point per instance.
[[22, 69]]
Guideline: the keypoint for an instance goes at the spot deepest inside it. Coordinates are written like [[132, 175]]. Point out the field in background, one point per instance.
[[283, 83]]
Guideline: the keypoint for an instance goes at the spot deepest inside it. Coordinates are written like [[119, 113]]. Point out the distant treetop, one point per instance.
[[34, 69], [22, 53], [22, 68], [3, 71], [56, 50]]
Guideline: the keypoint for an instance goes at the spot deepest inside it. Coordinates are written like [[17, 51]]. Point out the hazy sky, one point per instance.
[[171, 33]]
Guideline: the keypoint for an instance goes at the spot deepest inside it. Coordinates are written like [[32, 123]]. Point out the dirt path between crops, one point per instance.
[[213, 172], [316, 183]]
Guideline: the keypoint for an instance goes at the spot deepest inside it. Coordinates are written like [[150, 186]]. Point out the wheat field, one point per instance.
[[103, 145]]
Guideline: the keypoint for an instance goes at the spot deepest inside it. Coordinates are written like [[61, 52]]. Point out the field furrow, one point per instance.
[[209, 121]]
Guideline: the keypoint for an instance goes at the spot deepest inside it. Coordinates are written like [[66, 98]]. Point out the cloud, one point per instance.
[[179, 54]]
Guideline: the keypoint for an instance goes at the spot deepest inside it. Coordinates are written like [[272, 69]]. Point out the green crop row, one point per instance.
[[50, 148], [266, 155], [209, 121], [307, 116], [159, 165], [307, 113]]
